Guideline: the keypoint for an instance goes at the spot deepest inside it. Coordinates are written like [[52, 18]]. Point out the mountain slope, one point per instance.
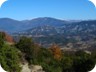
[[10, 25]]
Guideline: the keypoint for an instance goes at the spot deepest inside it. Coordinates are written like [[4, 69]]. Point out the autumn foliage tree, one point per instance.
[[8, 38], [56, 52], [5, 37]]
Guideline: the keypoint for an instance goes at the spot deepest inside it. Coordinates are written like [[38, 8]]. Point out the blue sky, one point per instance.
[[61, 9]]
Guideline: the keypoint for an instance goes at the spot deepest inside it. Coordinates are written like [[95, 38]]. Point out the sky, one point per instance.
[[60, 9]]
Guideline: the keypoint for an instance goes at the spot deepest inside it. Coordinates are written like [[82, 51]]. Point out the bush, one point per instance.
[[9, 58]]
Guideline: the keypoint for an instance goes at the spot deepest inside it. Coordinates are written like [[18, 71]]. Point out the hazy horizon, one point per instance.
[[49, 17]]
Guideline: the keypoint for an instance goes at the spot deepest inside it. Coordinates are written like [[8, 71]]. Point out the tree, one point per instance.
[[56, 52], [29, 49], [9, 58], [66, 64], [83, 62]]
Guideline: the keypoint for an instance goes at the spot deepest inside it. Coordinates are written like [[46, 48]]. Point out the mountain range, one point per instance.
[[46, 31], [11, 25]]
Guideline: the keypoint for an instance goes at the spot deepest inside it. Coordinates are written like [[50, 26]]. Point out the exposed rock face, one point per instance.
[[36, 68], [32, 68], [25, 68]]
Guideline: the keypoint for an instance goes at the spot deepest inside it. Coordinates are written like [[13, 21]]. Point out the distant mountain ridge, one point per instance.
[[11, 25], [47, 26]]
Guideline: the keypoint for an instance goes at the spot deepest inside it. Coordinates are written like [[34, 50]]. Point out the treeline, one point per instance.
[[52, 59]]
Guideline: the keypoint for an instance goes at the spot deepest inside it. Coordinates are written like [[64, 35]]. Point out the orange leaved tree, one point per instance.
[[56, 52]]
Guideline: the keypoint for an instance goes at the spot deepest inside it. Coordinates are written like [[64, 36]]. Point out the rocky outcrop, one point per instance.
[[31, 68], [36, 68], [25, 68]]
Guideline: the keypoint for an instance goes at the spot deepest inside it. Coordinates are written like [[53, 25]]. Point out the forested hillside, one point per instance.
[[52, 59]]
